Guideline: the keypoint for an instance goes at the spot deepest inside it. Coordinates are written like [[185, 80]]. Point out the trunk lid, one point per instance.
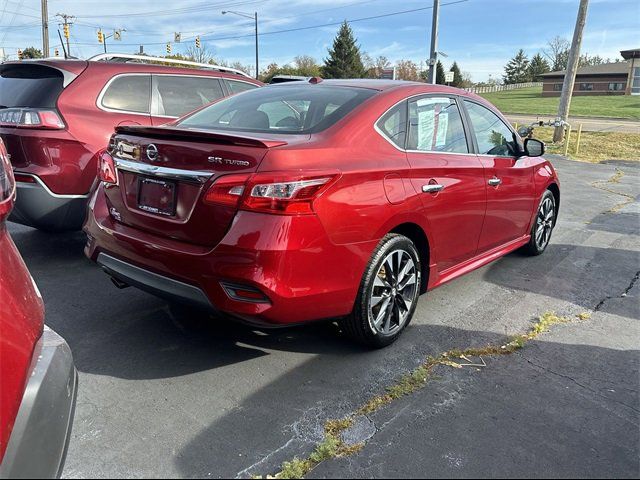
[[164, 172]]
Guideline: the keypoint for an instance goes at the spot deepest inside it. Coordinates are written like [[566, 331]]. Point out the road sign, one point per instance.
[[448, 77], [388, 73]]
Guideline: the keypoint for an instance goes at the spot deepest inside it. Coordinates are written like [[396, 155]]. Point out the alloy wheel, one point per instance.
[[395, 289], [544, 223]]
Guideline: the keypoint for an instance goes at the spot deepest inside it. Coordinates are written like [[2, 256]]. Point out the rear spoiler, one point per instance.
[[200, 135]]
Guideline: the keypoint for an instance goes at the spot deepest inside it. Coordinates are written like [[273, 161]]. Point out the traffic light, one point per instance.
[[56, 52], [198, 42], [19, 54], [168, 49], [117, 35], [65, 28], [100, 36], [177, 37]]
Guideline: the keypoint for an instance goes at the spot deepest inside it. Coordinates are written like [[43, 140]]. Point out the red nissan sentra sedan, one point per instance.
[[37, 376], [325, 199]]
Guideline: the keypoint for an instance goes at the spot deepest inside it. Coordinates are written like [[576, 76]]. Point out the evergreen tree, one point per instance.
[[344, 59], [517, 69], [440, 78], [537, 67], [457, 75]]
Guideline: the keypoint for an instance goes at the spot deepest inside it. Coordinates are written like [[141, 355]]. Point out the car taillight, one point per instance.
[[31, 118], [107, 168], [280, 193], [288, 196], [7, 183], [227, 190]]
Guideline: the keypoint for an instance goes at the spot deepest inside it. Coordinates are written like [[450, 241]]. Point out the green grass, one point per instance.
[[530, 101]]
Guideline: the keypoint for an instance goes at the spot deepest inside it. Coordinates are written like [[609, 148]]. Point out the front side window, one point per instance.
[[179, 95], [286, 108], [239, 87], [129, 93], [435, 125], [492, 135], [393, 124]]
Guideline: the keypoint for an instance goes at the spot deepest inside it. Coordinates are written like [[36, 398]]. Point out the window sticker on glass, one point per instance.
[[432, 128]]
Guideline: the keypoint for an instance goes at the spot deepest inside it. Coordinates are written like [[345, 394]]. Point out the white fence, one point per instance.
[[500, 88]]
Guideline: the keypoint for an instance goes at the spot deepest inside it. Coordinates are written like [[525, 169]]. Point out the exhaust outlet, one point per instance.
[[119, 284]]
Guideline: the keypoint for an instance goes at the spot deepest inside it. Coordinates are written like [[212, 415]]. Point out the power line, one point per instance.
[[297, 29], [174, 11]]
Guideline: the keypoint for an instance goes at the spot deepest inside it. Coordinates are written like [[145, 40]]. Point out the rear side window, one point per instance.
[[288, 109], [393, 124], [238, 87], [128, 93], [179, 95], [435, 125], [34, 86], [492, 135]]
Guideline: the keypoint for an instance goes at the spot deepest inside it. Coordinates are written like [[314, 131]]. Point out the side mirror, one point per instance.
[[533, 147]]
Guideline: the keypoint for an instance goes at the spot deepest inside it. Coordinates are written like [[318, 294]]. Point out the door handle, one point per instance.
[[495, 181], [432, 188]]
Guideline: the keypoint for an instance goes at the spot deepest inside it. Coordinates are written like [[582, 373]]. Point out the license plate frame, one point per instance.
[[157, 188]]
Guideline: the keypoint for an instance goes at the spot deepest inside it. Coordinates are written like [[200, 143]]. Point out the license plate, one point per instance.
[[157, 196]]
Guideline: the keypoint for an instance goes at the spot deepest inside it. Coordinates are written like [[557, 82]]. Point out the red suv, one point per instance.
[[323, 199], [37, 376], [56, 114]]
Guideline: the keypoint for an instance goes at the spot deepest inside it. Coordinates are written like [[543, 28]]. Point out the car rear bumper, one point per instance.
[[38, 444], [288, 259], [37, 206]]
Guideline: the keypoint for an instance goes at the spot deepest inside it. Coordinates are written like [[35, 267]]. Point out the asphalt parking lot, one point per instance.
[[168, 392]]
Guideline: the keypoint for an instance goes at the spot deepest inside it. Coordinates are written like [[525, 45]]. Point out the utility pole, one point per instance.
[[67, 22], [45, 29], [433, 58], [255, 19], [570, 74]]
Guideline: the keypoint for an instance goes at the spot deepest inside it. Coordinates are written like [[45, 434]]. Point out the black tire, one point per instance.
[[392, 291], [543, 225]]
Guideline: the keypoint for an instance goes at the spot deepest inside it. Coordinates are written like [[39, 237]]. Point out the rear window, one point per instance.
[[280, 109], [34, 86]]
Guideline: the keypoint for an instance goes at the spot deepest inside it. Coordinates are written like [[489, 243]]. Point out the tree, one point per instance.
[[200, 55], [586, 60], [440, 75], [407, 70], [306, 66], [344, 59], [375, 67], [517, 69], [457, 75], [538, 66], [557, 52], [32, 52]]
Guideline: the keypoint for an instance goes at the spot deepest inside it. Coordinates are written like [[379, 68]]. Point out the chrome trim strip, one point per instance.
[[193, 176], [44, 186]]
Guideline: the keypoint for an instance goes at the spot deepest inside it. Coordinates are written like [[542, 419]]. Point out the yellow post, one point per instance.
[[566, 141], [515, 125], [578, 139]]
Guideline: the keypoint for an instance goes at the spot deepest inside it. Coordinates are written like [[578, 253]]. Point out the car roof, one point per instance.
[[382, 86]]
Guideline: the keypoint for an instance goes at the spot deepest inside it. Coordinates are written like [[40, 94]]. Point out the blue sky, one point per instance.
[[480, 34]]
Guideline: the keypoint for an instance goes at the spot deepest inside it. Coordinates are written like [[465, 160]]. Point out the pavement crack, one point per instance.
[[626, 291], [573, 380], [615, 179]]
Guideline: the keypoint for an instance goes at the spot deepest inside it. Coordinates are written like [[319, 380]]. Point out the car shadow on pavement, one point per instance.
[[586, 409], [579, 274]]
